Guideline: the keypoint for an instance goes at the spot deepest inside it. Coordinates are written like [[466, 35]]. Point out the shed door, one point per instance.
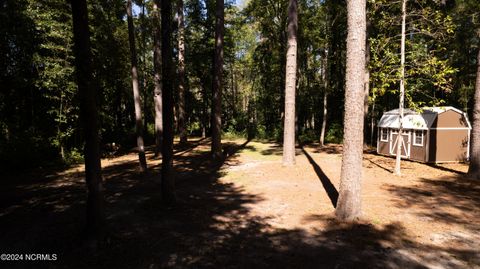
[[405, 145]]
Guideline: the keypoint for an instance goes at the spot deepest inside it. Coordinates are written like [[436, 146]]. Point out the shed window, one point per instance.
[[418, 138], [384, 135]]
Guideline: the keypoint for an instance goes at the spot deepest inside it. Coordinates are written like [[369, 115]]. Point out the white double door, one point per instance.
[[406, 143]]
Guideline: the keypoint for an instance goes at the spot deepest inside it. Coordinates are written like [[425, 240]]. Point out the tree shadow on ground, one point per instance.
[[387, 163], [180, 149], [326, 182], [212, 226], [446, 169], [277, 149], [274, 150], [382, 164], [445, 200], [328, 148], [453, 200]]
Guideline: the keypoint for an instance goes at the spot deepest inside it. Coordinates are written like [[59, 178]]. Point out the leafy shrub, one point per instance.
[[308, 136], [73, 156], [194, 128], [26, 150], [233, 135], [334, 134]]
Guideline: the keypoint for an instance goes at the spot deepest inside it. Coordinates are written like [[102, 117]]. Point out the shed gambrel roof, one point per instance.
[[416, 120]]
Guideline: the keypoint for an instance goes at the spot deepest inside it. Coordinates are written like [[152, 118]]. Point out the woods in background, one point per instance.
[[38, 102]]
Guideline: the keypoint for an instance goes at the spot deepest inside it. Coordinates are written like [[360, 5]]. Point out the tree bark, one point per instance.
[[181, 73], [290, 85], [168, 177], [95, 226], [136, 91], [144, 62], [324, 119], [157, 62], [398, 159], [372, 121], [366, 82], [205, 119], [218, 81], [349, 200], [474, 167], [325, 98]]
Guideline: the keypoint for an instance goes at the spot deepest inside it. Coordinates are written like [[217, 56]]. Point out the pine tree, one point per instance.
[[218, 81], [157, 66], [349, 200], [181, 73], [400, 141], [136, 90], [290, 84], [474, 167], [89, 117], [168, 176]]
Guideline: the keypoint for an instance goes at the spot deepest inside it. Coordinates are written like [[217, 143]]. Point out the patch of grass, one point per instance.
[[232, 135], [262, 151], [200, 151]]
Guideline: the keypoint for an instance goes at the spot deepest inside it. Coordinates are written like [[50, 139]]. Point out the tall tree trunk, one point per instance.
[[136, 91], [402, 92], [89, 117], [234, 91], [366, 82], [325, 98], [290, 85], [181, 73], [144, 66], [218, 81], [59, 133], [118, 113], [474, 167], [168, 177], [324, 119], [204, 111], [157, 93], [349, 200], [372, 120]]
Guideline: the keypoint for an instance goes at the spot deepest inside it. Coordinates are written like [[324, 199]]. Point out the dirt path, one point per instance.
[[248, 211]]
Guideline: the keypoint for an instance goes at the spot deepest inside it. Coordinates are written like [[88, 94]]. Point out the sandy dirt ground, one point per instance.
[[248, 211]]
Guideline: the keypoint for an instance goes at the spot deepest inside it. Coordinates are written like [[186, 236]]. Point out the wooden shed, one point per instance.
[[436, 135]]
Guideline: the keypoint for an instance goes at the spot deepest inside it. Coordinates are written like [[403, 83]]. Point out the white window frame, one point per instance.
[[383, 130], [415, 138]]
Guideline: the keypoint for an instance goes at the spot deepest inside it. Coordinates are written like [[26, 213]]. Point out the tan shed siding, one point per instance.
[[448, 145], [418, 153], [383, 148], [450, 119]]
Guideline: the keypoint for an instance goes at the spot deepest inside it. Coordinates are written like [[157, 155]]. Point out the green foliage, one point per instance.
[[429, 70], [194, 128], [53, 62], [39, 103], [24, 150], [38, 77], [334, 134], [466, 16], [232, 134], [309, 136], [150, 130], [73, 156]]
